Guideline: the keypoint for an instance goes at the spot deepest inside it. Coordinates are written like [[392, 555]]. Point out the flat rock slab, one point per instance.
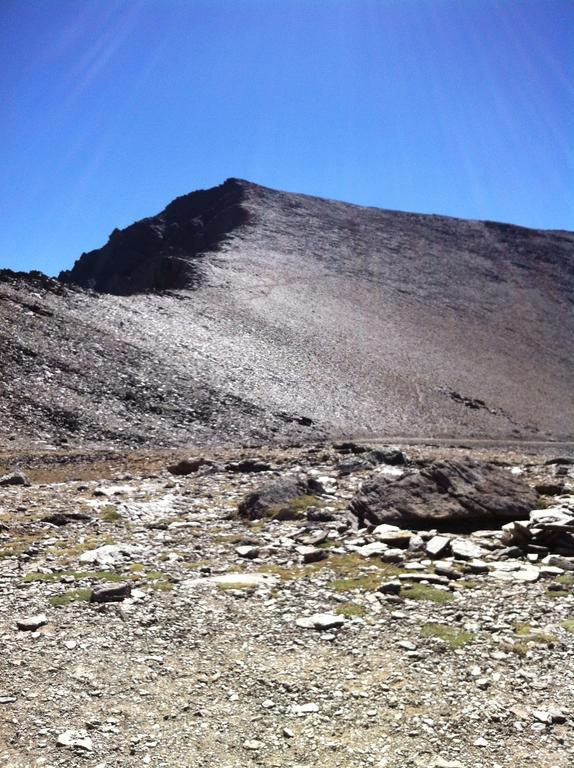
[[463, 549], [447, 493], [238, 580], [515, 572], [321, 621], [438, 546], [73, 739], [31, 623]]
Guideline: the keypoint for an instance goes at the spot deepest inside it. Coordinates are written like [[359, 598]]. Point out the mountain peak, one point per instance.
[[162, 252]]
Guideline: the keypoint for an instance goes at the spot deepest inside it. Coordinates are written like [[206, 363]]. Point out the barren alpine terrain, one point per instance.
[[243, 314], [289, 482], [153, 612]]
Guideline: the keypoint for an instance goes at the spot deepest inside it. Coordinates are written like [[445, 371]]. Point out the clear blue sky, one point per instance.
[[113, 108]]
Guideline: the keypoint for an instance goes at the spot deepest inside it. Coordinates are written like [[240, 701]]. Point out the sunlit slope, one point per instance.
[[242, 313]]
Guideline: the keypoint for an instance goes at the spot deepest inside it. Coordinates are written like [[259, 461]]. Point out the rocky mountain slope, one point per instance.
[[243, 314]]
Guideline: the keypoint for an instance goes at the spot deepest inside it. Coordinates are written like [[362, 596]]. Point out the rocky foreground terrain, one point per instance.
[[243, 315], [327, 605]]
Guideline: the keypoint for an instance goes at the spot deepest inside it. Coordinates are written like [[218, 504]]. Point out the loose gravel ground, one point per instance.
[[207, 662]]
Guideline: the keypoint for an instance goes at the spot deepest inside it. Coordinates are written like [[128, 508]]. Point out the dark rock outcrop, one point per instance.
[[283, 499], [446, 495], [187, 466], [162, 252]]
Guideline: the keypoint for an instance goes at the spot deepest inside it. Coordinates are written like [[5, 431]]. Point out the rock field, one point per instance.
[[146, 620]]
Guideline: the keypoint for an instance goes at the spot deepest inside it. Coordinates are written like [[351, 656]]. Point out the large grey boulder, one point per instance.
[[445, 494], [285, 499]]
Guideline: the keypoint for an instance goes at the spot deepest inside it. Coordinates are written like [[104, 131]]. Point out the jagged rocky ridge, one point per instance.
[[244, 314], [162, 252]]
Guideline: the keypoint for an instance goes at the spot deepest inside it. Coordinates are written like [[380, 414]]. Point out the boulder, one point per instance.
[[113, 593], [248, 466], [277, 499], [447, 494], [14, 478], [31, 623], [550, 488], [187, 466]]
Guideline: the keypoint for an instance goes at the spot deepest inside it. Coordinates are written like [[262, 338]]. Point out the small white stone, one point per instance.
[[75, 740], [407, 645], [253, 744], [304, 709]]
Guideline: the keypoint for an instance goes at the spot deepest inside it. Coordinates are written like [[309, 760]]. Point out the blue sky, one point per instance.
[[111, 109]]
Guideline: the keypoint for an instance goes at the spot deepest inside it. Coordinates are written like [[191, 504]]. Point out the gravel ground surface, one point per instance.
[[268, 642]]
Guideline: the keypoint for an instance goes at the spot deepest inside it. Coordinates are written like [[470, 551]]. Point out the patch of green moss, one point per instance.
[[566, 578], [72, 596], [350, 609], [327, 544], [456, 638], [234, 585], [110, 514], [294, 509], [112, 576], [426, 592], [155, 575], [42, 577], [519, 648], [368, 582], [350, 569], [19, 546], [568, 625], [69, 549], [466, 584], [524, 630], [553, 594], [284, 573], [521, 628]]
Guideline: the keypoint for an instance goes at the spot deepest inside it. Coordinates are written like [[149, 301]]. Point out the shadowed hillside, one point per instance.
[[242, 313]]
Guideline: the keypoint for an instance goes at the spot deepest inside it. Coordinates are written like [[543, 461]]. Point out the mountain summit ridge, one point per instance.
[[242, 313], [163, 252]]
